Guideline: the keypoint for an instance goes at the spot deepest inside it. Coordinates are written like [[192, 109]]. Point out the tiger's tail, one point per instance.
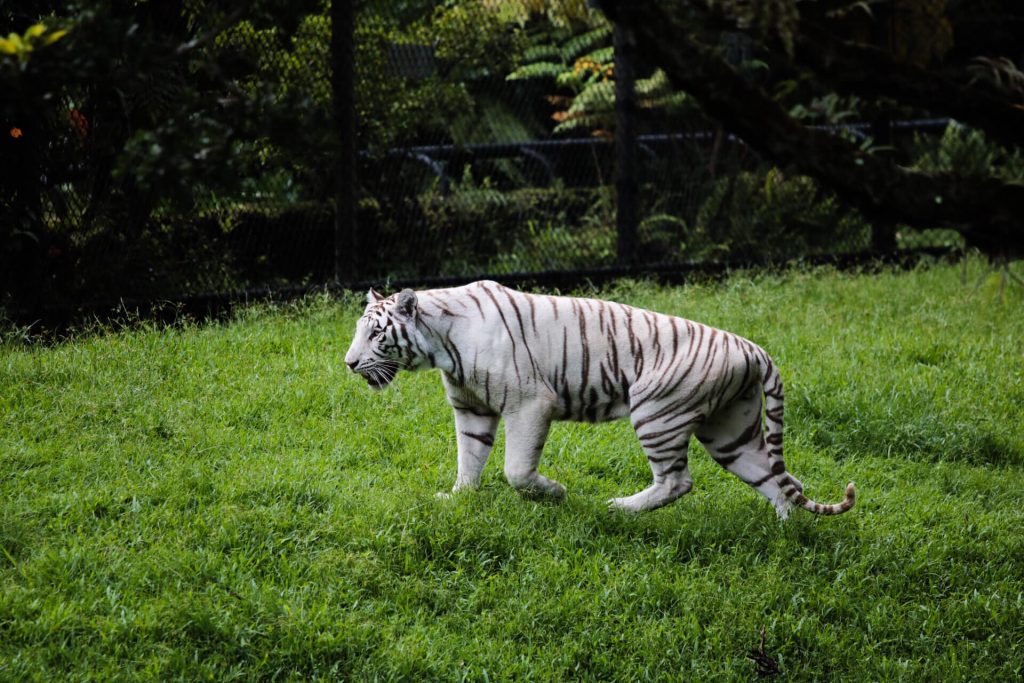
[[791, 491]]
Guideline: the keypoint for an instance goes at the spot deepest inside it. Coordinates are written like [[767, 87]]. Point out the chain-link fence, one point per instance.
[[486, 139]]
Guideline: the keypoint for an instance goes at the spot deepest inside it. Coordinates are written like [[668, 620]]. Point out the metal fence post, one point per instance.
[[883, 234], [625, 147], [346, 236]]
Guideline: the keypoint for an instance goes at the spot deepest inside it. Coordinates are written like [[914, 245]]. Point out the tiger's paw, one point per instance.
[[551, 491], [622, 505], [782, 507], [457, 489], [652, 497]]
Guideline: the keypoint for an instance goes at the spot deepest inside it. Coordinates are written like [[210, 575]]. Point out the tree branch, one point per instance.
[[866, 71], [985, 210]]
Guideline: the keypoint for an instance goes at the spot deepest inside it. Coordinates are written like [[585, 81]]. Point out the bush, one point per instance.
[[755, 216], [477, 228]]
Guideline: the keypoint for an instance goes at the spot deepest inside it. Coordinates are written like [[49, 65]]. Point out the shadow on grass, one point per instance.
[[703, 531], [924, 440]]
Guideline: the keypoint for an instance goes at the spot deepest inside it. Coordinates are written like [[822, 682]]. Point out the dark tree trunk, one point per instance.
[[346, 245]]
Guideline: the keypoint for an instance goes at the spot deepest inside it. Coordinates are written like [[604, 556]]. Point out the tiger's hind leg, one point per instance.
[[666, 442], [734, 437]]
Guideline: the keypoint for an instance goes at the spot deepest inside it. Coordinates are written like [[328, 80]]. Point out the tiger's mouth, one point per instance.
[[377, 383], [379, 376]]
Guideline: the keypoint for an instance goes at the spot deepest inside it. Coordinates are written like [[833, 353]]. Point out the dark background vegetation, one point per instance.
[[166, 150]]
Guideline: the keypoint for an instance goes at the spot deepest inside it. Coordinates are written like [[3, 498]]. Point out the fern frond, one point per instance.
[[536, 53], [656, 83], [603, 55], [537, 70], [999, 71], [584, 121], [595, 97], [569, 79], [577, 45], [672, 100]]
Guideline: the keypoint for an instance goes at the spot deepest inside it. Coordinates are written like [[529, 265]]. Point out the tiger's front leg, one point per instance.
[[525, 433], [474, 437]]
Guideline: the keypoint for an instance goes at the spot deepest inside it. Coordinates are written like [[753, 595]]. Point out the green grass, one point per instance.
[[228, 502]]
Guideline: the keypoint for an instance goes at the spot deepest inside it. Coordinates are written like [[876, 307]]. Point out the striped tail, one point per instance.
[[832, 509], [790, 488]]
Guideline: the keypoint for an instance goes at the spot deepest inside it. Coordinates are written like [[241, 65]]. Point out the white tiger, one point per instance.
[[532, 359]]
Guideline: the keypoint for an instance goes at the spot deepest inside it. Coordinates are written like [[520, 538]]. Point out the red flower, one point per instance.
[[79, 123]]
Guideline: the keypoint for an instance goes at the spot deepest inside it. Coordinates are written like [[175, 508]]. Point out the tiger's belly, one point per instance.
[[590, 405], [572, 404]]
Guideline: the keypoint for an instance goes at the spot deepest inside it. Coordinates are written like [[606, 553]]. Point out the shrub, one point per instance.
[[769, 216]]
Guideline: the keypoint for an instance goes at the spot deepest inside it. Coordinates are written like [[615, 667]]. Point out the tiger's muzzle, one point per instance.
[[377, 375]]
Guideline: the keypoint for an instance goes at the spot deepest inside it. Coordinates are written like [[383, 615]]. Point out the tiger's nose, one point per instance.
[[352, 364]]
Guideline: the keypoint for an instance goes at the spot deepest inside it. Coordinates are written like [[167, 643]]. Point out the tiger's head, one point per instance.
[[387, 339]]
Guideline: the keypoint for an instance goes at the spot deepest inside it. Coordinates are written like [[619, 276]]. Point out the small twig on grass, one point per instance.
[[766, 665]]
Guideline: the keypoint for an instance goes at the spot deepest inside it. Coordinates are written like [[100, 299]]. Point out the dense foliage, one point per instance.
[[889, 60], [162, 149], [126, 124]]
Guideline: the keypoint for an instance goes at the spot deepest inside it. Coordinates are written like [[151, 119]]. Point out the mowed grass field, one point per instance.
[[228, 502]]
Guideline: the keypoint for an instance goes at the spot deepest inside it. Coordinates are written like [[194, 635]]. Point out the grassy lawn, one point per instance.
[[229, 502]]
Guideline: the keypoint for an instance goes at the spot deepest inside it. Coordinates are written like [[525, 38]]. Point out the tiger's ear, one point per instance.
[[406, 303], [373, 296]]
